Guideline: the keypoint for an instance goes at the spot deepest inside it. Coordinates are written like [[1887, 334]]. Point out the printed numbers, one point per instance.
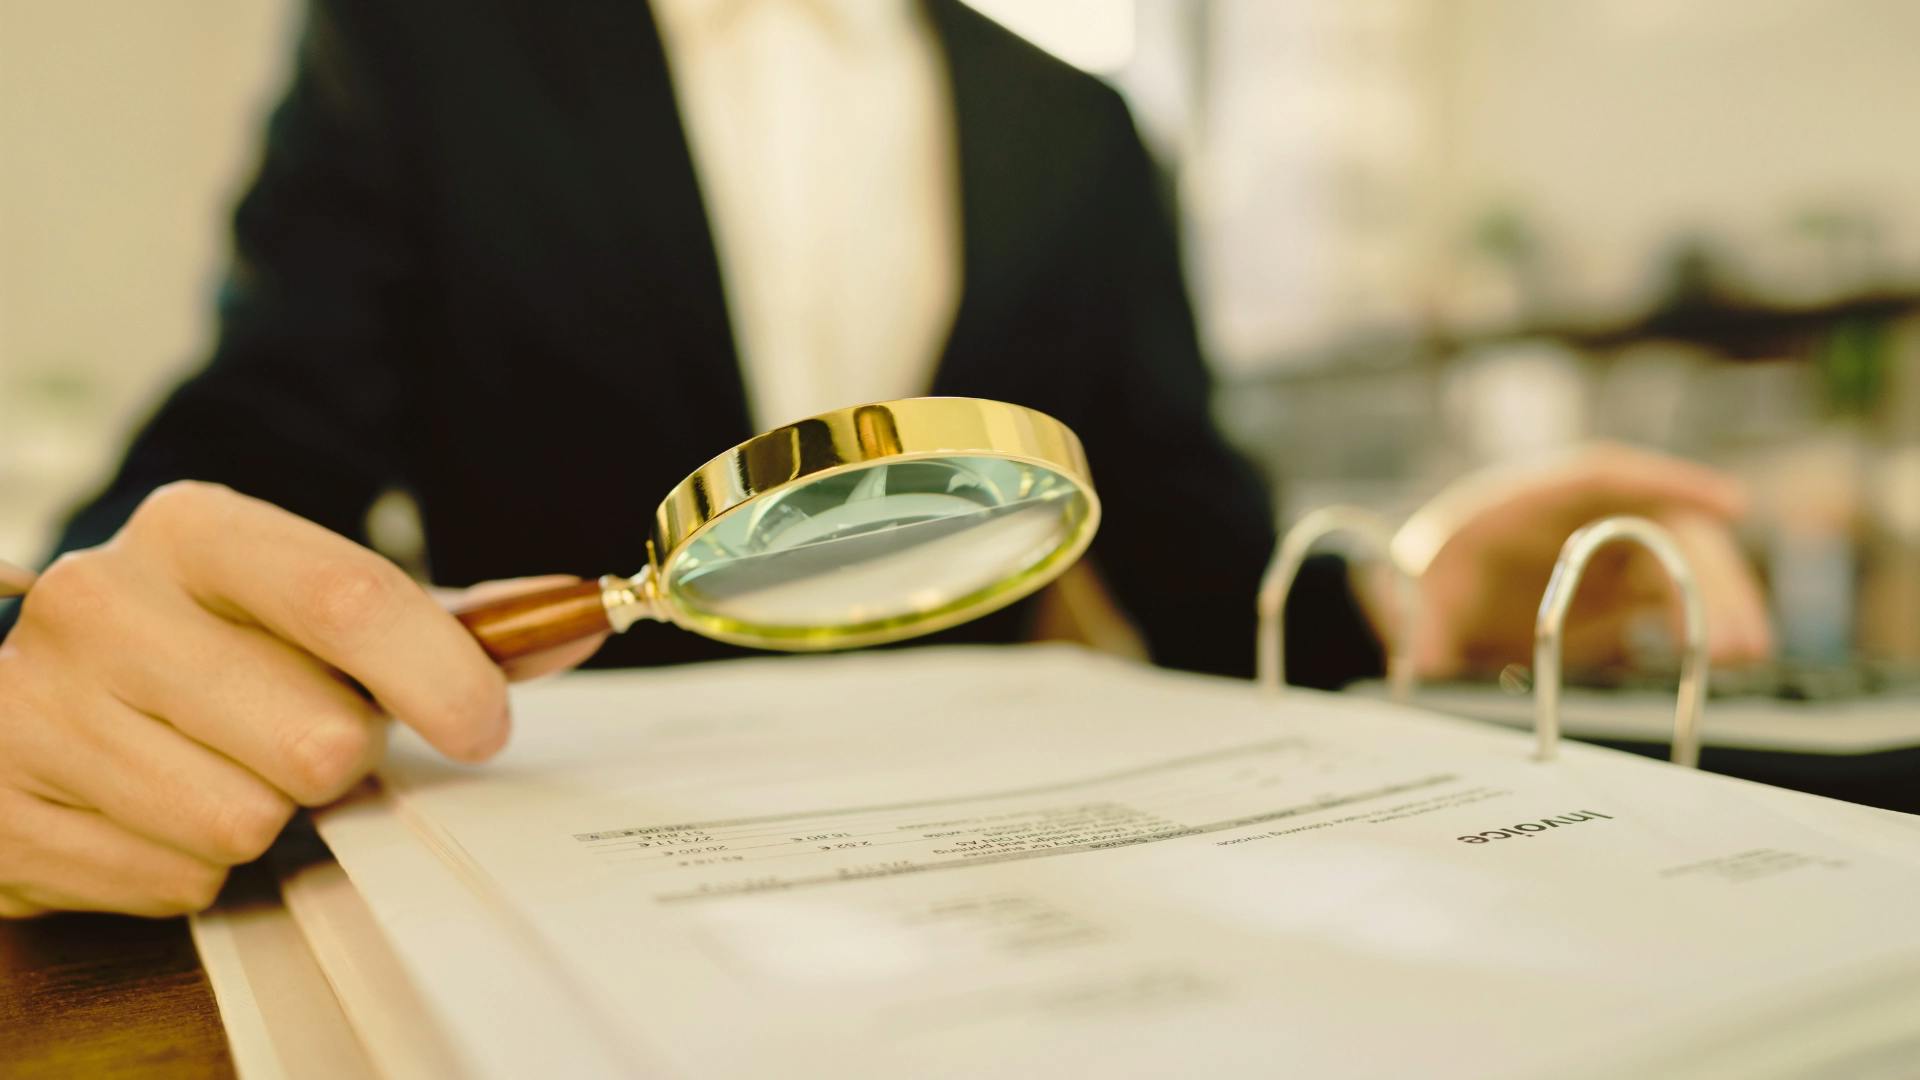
[[879, 869]]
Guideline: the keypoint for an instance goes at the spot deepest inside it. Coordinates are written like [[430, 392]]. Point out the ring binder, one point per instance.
[[1270, 648], [1550, 627]]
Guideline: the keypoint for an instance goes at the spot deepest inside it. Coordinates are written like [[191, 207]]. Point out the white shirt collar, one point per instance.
[[853, 23]]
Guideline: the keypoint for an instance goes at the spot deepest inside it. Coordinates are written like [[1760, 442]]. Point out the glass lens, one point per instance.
[[884, 543]]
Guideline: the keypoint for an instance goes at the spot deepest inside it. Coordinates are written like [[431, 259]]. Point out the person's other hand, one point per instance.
[[168, 698], [1489, 544]]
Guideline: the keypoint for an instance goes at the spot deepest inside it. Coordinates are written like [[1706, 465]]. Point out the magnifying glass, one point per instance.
[[856, 527]]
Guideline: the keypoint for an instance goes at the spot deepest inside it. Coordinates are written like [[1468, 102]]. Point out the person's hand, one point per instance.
[[1485, 549], [167, 699]]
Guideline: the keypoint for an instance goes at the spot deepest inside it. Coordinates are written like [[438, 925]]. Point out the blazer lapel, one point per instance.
[[658, 269], [993, 121], [657, 266]]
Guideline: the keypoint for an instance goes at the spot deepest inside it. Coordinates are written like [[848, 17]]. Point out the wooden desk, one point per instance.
[[106, 996]]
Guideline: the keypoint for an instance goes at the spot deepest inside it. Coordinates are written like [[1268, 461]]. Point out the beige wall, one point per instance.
[[125, 126], [1346, 150], [1617, 125]]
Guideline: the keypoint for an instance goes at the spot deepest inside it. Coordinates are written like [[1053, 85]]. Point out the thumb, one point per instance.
[[534, 665]]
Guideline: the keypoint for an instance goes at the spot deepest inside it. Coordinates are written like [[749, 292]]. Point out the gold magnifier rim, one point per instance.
[[856, 437]]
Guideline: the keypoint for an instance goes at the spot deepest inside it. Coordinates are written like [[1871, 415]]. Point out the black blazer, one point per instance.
[[475, 264]]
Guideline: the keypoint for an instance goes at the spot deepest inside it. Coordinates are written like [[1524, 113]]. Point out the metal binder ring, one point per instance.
[[1270, 650], [1550, 627]]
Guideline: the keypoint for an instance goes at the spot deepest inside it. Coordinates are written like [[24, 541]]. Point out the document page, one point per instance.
[[1023, 861]]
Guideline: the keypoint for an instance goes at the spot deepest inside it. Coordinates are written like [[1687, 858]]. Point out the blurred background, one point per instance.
[[1422, 236]]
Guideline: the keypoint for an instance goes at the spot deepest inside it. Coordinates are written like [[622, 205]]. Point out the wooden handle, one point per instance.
[[516, 626]]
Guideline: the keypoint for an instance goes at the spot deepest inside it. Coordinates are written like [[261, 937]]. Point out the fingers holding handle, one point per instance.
[[354, 610], [168, 697]]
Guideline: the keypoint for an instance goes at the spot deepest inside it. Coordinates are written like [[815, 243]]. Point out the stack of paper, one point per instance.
[[1035, 861]]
